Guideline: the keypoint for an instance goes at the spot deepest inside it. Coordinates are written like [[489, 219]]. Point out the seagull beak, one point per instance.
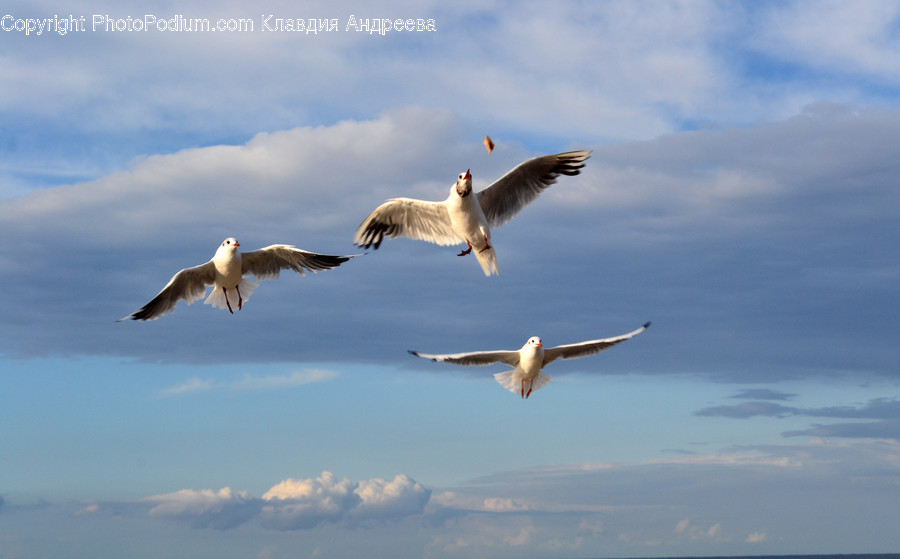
[[237, 244], [468, 177]]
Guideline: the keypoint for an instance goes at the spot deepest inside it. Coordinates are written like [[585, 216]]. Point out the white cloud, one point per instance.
[[399, 497], [206, 508], [858, 39], [254, 382], [296, 378], [194, 384], [756, 537], [296, 504], [305, 503], [194, 502]]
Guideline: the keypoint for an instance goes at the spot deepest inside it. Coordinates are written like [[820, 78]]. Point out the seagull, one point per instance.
[[463, 218], [225, 272], [529, 360]]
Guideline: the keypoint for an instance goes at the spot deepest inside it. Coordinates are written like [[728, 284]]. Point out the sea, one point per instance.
[[836, 556]]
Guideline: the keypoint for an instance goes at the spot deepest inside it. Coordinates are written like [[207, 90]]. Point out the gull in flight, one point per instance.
[[225, 272], [527, 375], [464, 218]]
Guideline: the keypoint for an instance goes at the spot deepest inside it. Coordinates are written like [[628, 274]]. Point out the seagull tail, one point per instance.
[[217, 297], [488, 260], [514, 385]]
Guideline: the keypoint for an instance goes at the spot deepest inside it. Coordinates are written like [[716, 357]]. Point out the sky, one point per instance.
[[741, 195]]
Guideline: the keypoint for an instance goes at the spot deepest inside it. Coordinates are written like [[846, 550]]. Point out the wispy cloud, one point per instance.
[[195, 384], [252, 382]]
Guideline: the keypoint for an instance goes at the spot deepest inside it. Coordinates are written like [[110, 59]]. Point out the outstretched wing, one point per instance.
[[416, 219], [511, 358], [519, 187], [581, 349], [188, 284], [267, 262]]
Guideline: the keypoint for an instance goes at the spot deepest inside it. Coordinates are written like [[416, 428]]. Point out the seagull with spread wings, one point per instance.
[[527, 375], [226, 271], [467, 217]]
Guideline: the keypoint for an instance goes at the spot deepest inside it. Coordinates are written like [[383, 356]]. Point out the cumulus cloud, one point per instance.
[[296, 504], [305, 503], [399, 497]]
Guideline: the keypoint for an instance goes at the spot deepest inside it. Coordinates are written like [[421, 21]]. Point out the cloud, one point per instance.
[[222, 510], [762, 394], [747, 410], [194, 384], [252, 382], [756, 537], [302, 504], [689, 503], [885, 410], [297, 378], [296, 504], [855, 42], [886, 429], [399, 497], [707, 229]]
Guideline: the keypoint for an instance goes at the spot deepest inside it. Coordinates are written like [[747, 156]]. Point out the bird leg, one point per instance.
[[487, 245], [227, 303], [240, 300], [467, 251]]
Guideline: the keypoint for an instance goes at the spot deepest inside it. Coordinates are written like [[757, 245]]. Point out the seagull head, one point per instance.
[[534, 341], [464, 184], [230, 243]]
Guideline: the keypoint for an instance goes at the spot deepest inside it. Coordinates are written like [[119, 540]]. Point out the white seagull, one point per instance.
[[225, 272], [462, 218], [528, 361]]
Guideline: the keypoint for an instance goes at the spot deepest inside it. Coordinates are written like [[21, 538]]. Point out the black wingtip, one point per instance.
[[647, 324], [411, 352]]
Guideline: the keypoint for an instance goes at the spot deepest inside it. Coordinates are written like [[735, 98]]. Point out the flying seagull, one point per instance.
[[463, 218], [226, 271], [528, 361]]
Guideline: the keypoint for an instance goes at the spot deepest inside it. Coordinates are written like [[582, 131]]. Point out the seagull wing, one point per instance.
[[582, 349], [511, 358], [188, 284], [416, 219], [266, 263], [519, 187]]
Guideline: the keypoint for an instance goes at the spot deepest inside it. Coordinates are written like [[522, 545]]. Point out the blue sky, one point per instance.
[[740, 194]]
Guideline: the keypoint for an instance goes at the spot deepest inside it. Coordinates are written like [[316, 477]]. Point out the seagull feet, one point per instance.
[[467, 251], [530, 387], [227, 303], [240, 300], [487, 245]]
